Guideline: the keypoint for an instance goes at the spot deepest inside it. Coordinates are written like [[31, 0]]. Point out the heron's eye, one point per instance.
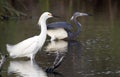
[[50, 14]]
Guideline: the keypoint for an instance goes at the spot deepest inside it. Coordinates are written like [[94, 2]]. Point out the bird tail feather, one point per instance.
[[9, 47]]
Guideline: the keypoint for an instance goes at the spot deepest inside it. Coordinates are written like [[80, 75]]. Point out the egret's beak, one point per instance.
[[55, 16], [71, 18]]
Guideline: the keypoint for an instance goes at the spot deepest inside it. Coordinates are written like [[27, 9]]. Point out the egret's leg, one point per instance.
[[32, 57]]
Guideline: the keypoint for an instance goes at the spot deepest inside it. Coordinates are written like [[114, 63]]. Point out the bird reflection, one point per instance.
[[59, 48], [25, 69], [2, 61]]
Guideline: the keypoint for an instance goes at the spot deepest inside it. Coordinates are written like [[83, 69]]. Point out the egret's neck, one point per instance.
[[42, 24]]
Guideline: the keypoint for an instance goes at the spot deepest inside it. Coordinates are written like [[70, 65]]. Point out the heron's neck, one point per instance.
[[42, 35], [76, 33], [78, 26]]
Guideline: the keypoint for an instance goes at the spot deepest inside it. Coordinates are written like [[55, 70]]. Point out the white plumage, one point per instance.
[[58, 33], [30, 46], [59, 46]]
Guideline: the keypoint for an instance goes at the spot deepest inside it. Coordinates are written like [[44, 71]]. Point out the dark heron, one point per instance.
[[62, 30]]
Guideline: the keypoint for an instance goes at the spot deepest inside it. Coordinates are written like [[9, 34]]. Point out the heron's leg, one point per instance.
[[58, 59], [53, 38], [57, 62]]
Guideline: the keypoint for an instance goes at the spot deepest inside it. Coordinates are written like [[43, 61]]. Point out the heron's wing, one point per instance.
[[64, 25]]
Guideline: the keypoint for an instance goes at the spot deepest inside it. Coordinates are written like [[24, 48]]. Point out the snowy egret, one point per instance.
[[62, 30], [29, 47]]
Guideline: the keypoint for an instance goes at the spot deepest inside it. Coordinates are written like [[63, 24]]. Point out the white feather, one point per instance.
[[27, 47], [30, 46], [58, 33]]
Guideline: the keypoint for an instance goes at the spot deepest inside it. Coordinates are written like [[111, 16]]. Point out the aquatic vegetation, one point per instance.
[[8, 10]]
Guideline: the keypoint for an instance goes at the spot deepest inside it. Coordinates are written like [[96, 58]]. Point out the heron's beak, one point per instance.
[[83, 14]]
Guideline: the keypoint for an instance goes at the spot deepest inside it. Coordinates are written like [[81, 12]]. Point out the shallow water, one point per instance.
[[95, 53]]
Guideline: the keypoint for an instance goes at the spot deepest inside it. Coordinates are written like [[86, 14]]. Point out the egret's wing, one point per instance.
[[20, 47], [64, 25]]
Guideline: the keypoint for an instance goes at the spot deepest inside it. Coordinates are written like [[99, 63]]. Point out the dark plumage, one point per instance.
[[63, 30], [64, 25]]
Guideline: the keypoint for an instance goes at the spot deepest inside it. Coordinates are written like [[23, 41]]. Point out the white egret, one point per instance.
[[29, 47]]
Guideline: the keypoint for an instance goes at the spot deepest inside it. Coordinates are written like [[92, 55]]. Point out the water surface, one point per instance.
[[95, 53]]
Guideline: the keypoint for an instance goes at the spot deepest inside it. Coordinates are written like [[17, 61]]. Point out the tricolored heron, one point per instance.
[[29, 47], [62, 30]]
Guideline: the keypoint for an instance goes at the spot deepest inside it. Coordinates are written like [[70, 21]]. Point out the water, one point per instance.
[[95, 53]]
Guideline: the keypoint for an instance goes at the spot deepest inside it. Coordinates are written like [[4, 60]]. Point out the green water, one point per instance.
[[95, 53]]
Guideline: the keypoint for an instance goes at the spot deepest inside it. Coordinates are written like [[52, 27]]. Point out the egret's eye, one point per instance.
[[50, 14]]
